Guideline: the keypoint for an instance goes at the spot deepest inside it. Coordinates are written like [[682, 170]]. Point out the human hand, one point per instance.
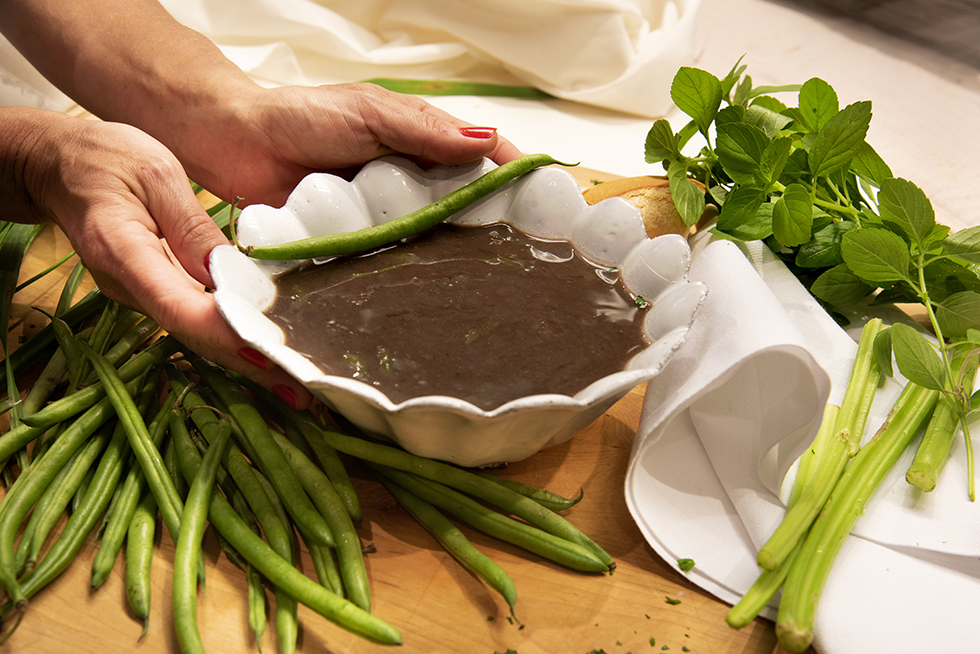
[[261, 142], [125, 204]]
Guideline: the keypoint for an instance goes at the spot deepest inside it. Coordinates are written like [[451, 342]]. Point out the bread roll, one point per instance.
[[649, 194]]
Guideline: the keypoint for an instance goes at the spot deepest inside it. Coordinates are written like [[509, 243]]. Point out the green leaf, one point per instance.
[[740, 147], [772, 162], [964, 244], [916, 358], [882, 350], [837, 142], [744, 217], [661, 142], [697, 93], [687, 196], [906, 209], [818, 103], [770, 122], [741, 97], [946, 276], [840, 287], [772, 104], [823, 249], [959, 313], [876, 255], [792, 216], [868, 165], [732, 77]]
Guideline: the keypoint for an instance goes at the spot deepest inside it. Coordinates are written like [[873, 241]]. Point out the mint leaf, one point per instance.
[[876, 255], [740, 147], [743, 217], [818, 103], [840, 287], [882, 350], [964, 244], [773, 160], [869, 165], [823, 248], [697, 93], [687, 196], [916, 358], [959, 313], [769, 121], [838, 140], [661, 142], [792, 216], [906, 209]]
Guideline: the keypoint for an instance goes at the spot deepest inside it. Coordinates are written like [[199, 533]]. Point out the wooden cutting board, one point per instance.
[[436, 605]]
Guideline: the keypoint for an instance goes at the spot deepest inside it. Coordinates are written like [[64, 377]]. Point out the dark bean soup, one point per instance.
[[485, 314]]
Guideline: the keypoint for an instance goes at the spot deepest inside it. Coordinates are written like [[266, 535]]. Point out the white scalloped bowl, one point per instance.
[[546, 203]]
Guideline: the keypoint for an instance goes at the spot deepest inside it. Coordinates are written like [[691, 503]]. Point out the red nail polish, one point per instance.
[[207, 262], [254, 357], [478, 132], [286, 394]]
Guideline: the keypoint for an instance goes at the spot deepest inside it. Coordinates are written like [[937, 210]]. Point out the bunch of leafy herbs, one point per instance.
[[804, 180]]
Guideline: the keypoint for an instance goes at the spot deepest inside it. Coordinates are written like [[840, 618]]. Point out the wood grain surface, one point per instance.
[[436, 605]]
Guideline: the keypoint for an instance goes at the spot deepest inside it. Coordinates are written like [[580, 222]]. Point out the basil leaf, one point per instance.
[[769, 121], [840, 287], [772, 161], [876, 255], [743, 215], [964, 244], [697, 93], [882, 350], [916, 358], [818, 103], [792, 216], [959, 313], [838, 140], [906, 209]]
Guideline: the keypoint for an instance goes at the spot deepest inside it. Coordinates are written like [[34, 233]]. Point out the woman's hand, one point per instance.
[[260, 144], [126, 205]]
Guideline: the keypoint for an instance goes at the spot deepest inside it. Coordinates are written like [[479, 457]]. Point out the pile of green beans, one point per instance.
[[124, 425]]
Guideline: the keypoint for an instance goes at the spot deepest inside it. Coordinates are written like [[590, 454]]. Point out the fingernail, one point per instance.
[[207, 262], [286, 394], [254, 357], [478, 132]]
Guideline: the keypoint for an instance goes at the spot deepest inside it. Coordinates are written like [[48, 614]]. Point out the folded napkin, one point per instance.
[[617, 54], [720, 430]]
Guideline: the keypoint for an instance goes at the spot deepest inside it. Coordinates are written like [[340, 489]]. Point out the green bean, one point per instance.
[[146, 453], [83, 521], [404, 226], [546, 498], [269, 458], [127, 345], [455, 543], [325, 568], [469, 483], [120, 513], [532, 539], [68, 290], [28, 487], [139, 558], [349, 552], [305, 422], [284, 575], [57, 496], [193, 524], [258, 604]]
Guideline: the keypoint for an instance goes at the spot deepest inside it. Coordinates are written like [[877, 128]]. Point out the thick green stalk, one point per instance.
[[809, 571], [831, 451]]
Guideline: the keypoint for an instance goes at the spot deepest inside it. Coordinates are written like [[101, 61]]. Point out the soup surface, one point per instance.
[[485, 314]]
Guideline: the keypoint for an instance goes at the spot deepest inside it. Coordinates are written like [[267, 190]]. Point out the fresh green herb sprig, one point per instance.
[[804, 180]]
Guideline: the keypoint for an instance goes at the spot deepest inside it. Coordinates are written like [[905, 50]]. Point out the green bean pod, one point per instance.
[[283, 575], [469, 483], [193, 523], [548, 499], [404, 226], [455, 543], [139, 558], [537, 541], [270, 459], [258, 605], [349, 551]]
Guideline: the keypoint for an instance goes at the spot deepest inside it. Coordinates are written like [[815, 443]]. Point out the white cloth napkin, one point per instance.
[[618, 54], [720, 429]]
